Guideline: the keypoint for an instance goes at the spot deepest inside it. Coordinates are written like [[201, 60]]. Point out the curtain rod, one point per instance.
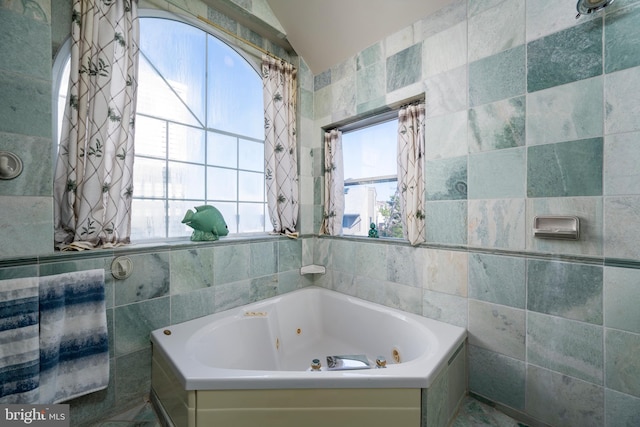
[[227, 32]]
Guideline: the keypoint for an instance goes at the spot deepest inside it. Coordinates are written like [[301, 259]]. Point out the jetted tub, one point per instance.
[[251, 365]]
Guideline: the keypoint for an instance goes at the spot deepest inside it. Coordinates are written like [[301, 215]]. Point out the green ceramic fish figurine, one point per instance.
[[207, 223]]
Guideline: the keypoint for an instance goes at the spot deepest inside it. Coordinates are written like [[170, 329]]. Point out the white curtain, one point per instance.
[[93, 182], [280, 156], [411, 171], [333, 184]]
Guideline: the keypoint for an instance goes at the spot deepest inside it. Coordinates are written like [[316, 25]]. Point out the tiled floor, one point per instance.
[[472, 414]]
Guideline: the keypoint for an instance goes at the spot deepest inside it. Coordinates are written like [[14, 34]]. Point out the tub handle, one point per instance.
[[316, 365], [381, 362]]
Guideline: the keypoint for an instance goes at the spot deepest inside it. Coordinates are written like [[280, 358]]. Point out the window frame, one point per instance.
[[254, 59], [370, 121]]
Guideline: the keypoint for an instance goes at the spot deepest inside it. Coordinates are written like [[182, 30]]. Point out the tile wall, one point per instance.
[[529, 112], [171, 283]]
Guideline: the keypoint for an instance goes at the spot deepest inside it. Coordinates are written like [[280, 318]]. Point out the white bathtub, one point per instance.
[[270, 345]]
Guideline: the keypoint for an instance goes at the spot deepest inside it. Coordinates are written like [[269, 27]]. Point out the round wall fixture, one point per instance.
[[121, 267], [10, 165], [586, 7]]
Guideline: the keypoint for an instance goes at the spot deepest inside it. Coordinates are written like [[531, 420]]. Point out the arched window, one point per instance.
[[199, 131]]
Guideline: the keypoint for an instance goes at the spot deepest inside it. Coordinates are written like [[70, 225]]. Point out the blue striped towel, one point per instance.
[[74, 345], [19, 347]]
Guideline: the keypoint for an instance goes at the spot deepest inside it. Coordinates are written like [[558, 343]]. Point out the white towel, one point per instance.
[[74, 348], [19, 348]]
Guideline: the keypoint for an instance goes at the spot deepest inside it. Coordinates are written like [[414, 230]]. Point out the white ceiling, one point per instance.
[[326, 32]]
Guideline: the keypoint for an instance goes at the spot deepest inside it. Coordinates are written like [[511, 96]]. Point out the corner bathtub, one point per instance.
[[251, 365]]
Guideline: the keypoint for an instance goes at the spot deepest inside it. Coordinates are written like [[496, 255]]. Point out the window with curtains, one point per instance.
[[199, 132], [370, 177]]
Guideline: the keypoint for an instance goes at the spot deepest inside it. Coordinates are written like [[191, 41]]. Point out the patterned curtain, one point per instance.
[[280, 156], [93, 182], [411, 171], [333, 184]]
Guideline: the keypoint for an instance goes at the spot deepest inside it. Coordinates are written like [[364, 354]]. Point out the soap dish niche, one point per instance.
[[557, 227]]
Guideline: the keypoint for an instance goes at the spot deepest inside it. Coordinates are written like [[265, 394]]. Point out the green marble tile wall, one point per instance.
[[530, 112]]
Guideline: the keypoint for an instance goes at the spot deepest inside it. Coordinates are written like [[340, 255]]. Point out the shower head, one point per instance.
[[586, 7]]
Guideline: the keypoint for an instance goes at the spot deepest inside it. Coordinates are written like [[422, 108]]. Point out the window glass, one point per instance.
[[370, 180], [199, 132]]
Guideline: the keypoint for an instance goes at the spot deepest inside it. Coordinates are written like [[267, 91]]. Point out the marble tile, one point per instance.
[[587, 209], [322, 80], [447, 222], [232, 294], [343, 256], [497, 77], [38, 10], [545, 17], [149, 279], [134, 322], [497, 377], [497, 174], [369, 56], [437, 405], [446, 136], [23, 49], [398, 41], [230, 263], [475, 413], [621, 296], [39, 239], [621, 227], [264, 260], [289, 255], [292, 280], [453, 13], [133, 377], [446, 308], [343, 95], [404, 68], [496, 29], [306, 104], [190, 305], [446, 92], [446, 179], [497, 328], [404, 266], [19, 272], [619, 4], [569, 290], [566, 346], [191, 269], [264, 287], [565, 169], [444, 271], [479, 6], [370, 83], [566, 56], [622, 410], [498, 279], [497, 125], [497, 223], [621, 159], [402, 297], [565, 113], [445, 50], [370, 260], [622, 39], [622, 363], [621, 95], [322, 100], [558, 399], [26, 106], [343, 70]]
